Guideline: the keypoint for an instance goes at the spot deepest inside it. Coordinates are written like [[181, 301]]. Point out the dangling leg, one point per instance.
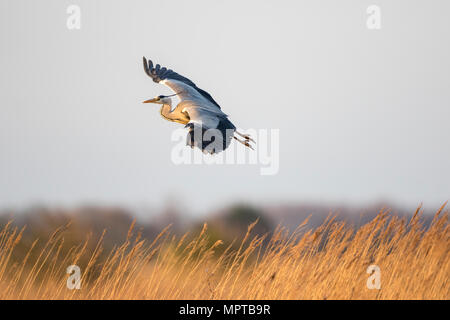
[[245, 136], [245, 143]]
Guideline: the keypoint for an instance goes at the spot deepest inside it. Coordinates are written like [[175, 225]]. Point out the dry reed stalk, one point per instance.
[[329, 262]]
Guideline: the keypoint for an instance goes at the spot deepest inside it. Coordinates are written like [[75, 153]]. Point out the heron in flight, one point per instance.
[[208, 127]]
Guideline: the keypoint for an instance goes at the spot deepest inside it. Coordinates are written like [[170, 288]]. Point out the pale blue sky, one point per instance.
[[362, 114]]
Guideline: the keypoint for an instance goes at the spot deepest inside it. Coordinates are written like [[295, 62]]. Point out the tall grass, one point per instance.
[[329, 262]]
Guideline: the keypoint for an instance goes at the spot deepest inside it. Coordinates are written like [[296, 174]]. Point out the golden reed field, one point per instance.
[[329, 262]]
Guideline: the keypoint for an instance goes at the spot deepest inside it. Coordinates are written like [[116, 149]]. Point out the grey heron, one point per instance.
[[208, 127]]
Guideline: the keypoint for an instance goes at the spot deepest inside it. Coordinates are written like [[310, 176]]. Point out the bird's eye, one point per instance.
[[160, 97]]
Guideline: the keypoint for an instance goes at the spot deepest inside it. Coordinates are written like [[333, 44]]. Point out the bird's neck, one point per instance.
[[166, 111]]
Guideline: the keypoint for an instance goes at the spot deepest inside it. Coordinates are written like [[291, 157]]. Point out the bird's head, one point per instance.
[[159, 100]]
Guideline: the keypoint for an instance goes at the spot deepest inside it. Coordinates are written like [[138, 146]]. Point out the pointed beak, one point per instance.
[[151, 100]]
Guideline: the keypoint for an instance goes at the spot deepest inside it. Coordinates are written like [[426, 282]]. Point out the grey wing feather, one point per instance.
[[158, 74]]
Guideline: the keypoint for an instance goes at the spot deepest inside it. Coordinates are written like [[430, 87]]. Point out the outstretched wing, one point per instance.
[[184, 87]]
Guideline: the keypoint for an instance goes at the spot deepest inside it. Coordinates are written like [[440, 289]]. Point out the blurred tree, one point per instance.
[[240, 216]]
